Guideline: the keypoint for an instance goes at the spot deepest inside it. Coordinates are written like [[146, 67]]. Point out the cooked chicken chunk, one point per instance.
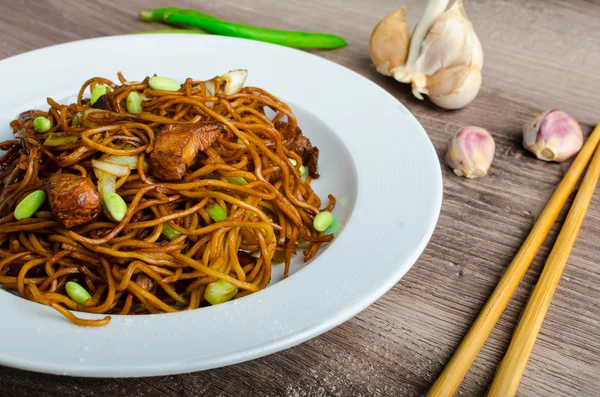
[[73, 199], [106, 102], [145, 282], [177, 145], [298, 143]]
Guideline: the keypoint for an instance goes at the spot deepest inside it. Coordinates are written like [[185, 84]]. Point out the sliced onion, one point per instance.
[[130, 161], [86, 113], [235, 80], [107, 183], [60, 139], [111, 168]]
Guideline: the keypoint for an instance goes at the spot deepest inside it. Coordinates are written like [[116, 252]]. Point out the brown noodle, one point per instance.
[[270, 218]]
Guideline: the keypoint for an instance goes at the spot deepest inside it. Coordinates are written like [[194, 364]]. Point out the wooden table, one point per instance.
[[538, 54]]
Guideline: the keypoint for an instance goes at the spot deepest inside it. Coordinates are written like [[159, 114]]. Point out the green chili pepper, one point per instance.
[[158, 14], [182, 31], [224, 28]]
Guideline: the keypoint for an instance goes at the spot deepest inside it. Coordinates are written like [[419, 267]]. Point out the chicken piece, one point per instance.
[[145, 282], [73, 199], [245, 258], [106, 102], [298, 143], [177, 145]]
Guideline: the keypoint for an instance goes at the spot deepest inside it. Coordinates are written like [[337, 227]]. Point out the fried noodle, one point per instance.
[[131, 267]]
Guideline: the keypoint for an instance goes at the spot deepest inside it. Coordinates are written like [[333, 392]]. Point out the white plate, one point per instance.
[[375, 158]]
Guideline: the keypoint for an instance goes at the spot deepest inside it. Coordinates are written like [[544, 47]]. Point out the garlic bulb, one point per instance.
[[389, 42], [553, 136], [471, 152], [445, 56]]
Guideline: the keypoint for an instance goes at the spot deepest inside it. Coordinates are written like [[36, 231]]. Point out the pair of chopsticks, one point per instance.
[[511, 369]]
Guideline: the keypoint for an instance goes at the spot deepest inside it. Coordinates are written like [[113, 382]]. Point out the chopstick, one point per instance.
[[462, 359], [511, 369]]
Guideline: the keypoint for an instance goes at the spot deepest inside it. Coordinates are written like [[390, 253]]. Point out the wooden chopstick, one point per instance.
[[456, 369], [511, 369]]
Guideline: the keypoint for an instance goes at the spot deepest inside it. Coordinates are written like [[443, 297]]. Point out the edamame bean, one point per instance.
[[163, 83], [134, 102], [42, 124], [30, 204], [97, 92], [322, 221], [116, 206], [217, 213], [220, 291], [77, 293]]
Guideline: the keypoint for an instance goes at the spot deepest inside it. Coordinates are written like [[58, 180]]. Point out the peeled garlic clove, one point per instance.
[[553, 136], [471, 152], [455, 87], [389, 42]]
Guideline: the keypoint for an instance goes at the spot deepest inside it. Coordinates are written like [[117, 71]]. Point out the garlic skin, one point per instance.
[[389, 42], [471, 152], [553, 136]]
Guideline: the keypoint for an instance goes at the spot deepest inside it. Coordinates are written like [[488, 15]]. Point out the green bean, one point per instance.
[[30, 204], [217, 213], [77, 293], [169, 232], [116, 206], [42, 124], [236, 180], [224, 28], [163, 83], [134, 102], [322, 221], [220, 291], [97, 92]]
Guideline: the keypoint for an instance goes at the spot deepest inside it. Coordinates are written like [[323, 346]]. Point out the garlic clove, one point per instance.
[[454, 87], [471, 152], [553, 136], [389, 42]]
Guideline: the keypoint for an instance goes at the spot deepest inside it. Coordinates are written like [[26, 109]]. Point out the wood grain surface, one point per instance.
[[538, 55]]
